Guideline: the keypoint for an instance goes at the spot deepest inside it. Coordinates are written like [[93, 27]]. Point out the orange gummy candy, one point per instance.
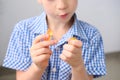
[[50, 33]]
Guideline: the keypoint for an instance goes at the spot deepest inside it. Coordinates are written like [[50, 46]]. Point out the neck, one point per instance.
[[59, 28], [55, 25]]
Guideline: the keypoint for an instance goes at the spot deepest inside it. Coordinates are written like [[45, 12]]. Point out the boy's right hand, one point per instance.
[[40, 52]]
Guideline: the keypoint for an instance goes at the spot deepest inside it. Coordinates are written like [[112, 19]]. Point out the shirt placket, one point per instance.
[[54, 63]]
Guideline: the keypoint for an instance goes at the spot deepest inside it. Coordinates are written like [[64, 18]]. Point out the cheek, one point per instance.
[[73, 5], [49, 12], [49, 8]]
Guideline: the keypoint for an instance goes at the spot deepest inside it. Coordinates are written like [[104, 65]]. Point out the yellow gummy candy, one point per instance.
[[73, 38]]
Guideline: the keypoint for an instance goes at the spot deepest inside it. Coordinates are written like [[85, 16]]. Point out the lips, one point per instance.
[[63, 15]]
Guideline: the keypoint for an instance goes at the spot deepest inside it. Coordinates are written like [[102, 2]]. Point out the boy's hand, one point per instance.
[[40, 51], [72, 52]]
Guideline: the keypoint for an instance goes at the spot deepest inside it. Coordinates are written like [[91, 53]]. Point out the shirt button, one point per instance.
[[54, 69]]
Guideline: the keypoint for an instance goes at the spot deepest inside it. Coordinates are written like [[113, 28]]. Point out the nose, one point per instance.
[[62, 4]]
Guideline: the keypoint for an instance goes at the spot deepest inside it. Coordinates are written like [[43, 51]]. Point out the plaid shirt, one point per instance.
[[18, 53]]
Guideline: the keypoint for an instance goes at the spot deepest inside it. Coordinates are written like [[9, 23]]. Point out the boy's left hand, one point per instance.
[[72, 53]]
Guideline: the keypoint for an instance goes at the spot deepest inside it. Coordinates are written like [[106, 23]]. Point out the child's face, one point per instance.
[[60, 10]]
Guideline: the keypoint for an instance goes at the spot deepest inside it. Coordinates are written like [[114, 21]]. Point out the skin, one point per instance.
[[59, 19]]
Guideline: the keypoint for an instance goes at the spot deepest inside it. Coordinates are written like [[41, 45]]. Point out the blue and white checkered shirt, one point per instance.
[[18, 53]]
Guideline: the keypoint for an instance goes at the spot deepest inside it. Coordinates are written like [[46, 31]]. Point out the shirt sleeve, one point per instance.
[[16, 53], [95, 58]]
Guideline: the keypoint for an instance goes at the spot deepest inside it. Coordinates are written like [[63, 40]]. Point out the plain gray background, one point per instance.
[[104, 14]]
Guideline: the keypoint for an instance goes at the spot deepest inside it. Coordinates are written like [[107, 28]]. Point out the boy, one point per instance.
[[61, 58]]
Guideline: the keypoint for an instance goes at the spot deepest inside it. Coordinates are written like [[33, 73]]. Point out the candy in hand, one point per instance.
[[50, 35], [73, 38]]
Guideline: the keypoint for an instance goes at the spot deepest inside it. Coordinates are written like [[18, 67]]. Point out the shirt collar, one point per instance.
[[76, 30], [39, 26]]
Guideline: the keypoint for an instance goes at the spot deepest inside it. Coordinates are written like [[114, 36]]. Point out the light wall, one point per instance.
[[104, 14]]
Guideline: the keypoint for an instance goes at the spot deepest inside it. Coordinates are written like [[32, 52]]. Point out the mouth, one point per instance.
[[64, 15]]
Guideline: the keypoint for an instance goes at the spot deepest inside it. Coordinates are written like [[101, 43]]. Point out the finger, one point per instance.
[[68, 47], [43, 44], [71, 48], [41, 58], [41, 51], [47, 43], [68, 54], [40, 38], [76, 43], [63, 57]]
